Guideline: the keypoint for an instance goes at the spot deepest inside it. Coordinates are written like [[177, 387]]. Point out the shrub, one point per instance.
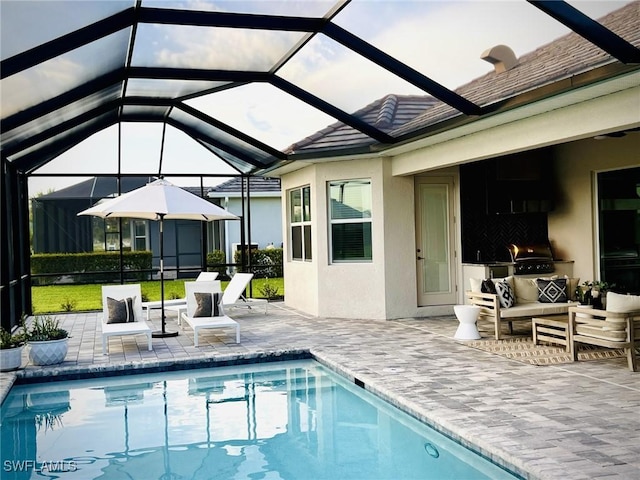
[[268, 291], [69, 305], [266, 263], [216, 261]]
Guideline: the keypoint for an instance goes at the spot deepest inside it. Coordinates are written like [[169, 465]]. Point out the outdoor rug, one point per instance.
[[523, 350]]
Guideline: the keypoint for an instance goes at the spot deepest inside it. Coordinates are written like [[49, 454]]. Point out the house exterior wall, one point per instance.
[[573, 228], [266, 226], [386, 287], [383, 288], [301, 277]]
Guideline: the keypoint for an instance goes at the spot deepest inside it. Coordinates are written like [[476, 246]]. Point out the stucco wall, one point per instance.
[[266, 224], [400, 243], [356, 290], [300, 278], [572, 224]]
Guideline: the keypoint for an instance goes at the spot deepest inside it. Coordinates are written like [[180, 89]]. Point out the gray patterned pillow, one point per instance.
[[208, 305], [552, 291], [120, 311], [505, 294]]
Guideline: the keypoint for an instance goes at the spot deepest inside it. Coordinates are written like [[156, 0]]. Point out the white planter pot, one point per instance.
[[48, 352], [11, 359]]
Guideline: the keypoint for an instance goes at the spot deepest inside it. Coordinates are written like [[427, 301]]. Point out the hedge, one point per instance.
[[77, 263]]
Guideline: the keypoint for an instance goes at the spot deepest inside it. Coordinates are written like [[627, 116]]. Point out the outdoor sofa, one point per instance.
[[519, 298]]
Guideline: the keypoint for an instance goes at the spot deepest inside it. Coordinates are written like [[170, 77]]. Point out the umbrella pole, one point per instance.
[[162, 333]]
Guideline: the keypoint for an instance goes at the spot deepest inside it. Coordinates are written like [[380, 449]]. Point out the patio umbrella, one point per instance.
[[160, 200]]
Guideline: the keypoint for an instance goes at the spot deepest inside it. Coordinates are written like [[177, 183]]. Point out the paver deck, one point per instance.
[[570, 421]]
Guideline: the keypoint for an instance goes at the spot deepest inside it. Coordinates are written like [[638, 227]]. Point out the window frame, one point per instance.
[[342, 221], [304, 224]]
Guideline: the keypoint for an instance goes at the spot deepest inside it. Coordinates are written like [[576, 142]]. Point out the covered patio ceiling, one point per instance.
[[245, 80]]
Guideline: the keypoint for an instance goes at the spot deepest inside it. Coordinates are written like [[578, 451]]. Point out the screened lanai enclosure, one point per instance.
[[201, 91]]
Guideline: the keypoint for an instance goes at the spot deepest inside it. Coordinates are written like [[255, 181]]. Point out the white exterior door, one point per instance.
[[435, 231]]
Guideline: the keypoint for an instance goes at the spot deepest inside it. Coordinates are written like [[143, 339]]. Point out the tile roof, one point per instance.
[[257, 185], [102, 187], [386, 114], [96, 187], [563, 58]]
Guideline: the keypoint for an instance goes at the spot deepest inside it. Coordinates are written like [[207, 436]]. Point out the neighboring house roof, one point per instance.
[[103, 187], [258, 186], [565, 57], [96, 187]]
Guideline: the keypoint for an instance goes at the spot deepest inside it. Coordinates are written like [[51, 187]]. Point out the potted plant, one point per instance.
[[11, 346], [593, 293], [48, 343]]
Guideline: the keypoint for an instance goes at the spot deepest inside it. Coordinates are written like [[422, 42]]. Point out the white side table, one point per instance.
[[467, 316]]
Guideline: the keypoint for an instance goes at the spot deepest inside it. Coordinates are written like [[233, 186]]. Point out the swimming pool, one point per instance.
[[289, 420]]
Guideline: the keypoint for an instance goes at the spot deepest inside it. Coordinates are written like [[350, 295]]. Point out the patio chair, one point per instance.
[[177, 302], [616, 327], [234, 293], [204, 309], [122, 313]]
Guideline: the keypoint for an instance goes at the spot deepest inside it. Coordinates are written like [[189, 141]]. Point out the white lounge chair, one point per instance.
[[234, 293], [206, 322], [135, 325], [177, 302]]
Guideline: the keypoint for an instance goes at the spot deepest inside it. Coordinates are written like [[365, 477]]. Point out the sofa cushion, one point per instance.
[[552, 291], [617, 302], [600, 332], [526, 290], [572, 285], [536, 309]]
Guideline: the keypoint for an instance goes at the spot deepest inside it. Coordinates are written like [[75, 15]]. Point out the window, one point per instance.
[[350, 220], [300, 216], [139, 234]]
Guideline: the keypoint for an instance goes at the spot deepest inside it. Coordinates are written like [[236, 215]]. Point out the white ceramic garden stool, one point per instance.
[[467, 316]]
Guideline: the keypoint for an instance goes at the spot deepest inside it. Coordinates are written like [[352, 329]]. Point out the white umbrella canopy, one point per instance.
[[160, 200]]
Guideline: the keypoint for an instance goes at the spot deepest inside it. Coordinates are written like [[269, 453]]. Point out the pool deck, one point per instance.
[[568, 421]]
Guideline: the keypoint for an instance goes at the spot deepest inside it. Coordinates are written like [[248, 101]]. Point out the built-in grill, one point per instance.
[[531, 259]]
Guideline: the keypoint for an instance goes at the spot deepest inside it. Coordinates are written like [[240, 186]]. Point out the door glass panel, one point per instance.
[[619, 225], [435, 235]]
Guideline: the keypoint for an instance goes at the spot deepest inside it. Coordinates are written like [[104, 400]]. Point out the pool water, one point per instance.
[[285, 420]]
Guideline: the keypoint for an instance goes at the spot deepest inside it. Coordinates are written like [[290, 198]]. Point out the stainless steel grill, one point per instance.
[[531, 259]]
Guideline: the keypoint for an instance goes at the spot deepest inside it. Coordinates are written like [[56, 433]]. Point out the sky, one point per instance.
[[442, 39]]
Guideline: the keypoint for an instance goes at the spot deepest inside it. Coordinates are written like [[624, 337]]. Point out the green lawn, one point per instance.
[[54, 298]]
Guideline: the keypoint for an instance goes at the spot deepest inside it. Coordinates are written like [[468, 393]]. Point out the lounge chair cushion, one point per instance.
[[120, 311], [208, 304], [552, 291]]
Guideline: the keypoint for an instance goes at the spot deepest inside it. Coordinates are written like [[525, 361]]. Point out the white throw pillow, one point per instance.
[[475, 284], [617, 302]]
